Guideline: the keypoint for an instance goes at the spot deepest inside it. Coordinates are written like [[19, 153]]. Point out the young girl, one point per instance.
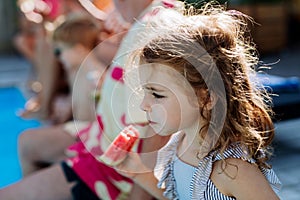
[[196, 73]]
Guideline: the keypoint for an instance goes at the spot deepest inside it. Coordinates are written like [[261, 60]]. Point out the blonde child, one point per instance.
[[195, 72], [74, 41], [34, 42]]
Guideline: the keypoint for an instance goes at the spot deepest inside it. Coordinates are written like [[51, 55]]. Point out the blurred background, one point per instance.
[[276, 32]]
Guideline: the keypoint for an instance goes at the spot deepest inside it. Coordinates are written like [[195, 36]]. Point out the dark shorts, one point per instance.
[[80, 190]]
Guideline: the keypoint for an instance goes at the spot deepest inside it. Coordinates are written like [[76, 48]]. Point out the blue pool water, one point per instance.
[[11, 100]]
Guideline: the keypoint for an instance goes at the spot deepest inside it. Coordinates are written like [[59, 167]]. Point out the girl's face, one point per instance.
[[167, 104], [70, 57]]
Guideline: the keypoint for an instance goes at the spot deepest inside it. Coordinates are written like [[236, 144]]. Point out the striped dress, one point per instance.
[[201, 187]]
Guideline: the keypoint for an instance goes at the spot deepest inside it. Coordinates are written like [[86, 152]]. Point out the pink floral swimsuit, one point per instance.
[[112, 117]]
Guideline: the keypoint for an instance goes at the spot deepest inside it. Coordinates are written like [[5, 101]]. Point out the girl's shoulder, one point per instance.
[[234, 150], [234, 177], [226, 174], [234, 172], [235, 159]]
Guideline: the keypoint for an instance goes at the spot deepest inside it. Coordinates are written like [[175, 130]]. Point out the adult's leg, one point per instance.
[[46, 184], [42, 147]]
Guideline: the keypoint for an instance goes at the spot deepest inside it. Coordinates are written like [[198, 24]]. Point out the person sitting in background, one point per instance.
[[74, 40], [33, 41]]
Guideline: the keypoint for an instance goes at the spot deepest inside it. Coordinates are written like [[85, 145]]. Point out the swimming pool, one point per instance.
[[11, 100]]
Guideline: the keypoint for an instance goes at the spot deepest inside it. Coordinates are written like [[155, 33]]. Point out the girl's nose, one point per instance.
[[145, 106]]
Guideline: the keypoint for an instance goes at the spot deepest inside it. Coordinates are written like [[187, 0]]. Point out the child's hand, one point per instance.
[[114, 23], [32, 109], [132, 166]]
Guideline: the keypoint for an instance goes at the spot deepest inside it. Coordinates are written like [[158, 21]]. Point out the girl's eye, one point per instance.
[[157, 96]]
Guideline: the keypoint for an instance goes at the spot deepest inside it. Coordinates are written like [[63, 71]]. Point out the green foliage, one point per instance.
[[252, 2], [199, 3]]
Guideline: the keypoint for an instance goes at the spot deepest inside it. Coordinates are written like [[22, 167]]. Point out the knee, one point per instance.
[[26, 144]]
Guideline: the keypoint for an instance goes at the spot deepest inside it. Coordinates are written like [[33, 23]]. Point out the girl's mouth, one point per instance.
[[151, 122]]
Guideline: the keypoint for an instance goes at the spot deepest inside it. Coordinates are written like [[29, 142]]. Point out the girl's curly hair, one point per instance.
[[197, 44]]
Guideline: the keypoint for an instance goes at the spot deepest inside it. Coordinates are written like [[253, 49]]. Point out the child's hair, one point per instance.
[[190, 43], [78, 30]]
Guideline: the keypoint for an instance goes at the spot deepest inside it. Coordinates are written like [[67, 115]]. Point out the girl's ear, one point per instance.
[[79, 47], [212, 101], [207, 99]]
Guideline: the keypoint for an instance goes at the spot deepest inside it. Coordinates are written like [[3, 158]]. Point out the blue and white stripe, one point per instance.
[[201, 186]]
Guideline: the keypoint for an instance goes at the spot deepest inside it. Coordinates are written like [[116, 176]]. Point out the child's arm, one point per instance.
[[139, 167], [242, 180], [133, 168], [149, 183], [138, 193]]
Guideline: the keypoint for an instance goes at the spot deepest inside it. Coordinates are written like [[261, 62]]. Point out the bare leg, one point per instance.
[[47, 184], [42, 146], [47, 69]]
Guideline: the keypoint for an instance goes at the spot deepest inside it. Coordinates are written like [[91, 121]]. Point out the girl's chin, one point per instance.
[[163, 132], [158, 131]]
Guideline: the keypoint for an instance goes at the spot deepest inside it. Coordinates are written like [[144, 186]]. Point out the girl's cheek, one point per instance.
[[160, 111], [67, 60]]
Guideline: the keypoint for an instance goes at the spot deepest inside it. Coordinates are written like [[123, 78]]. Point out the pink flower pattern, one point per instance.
[[103, 180]]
